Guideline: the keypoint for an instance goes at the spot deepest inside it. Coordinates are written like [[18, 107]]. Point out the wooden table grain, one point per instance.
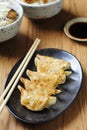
[[51, 33]]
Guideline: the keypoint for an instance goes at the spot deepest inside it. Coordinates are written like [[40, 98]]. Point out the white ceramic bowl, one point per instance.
[[42, 11], [9, 31]]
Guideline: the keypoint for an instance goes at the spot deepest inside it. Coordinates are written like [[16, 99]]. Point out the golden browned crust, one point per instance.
[[12, 14], [40, 87]]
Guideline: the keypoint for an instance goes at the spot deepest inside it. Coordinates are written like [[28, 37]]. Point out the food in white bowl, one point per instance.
[[10, 19], [40, 10], [7, 15], [38, 2]]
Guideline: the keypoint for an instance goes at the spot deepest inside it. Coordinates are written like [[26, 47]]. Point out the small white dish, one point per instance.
[[76, 29]]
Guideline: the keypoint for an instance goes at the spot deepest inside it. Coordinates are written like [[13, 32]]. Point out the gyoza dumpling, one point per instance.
[[37, 99], [34, 84], [53, 79], [46, 64], [42, 84]]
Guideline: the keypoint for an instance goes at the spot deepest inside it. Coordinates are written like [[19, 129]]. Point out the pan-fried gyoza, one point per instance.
[[41, 86], [36, 99], [58, 77], [36, 83], [46, 64]]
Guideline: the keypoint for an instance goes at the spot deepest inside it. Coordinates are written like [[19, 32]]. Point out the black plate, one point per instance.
[[64, 100]]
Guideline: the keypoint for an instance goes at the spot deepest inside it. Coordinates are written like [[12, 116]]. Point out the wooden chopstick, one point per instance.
[[18, 70], [18, 74]]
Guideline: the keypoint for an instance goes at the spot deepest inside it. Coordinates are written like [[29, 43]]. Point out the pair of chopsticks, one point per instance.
[[14, 80]]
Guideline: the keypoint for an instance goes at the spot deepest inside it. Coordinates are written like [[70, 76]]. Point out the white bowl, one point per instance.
[[9, 31], [79, 25], [42, 11]]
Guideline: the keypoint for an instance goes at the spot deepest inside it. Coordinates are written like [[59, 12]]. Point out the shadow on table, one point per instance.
[[55, 23], [16, 47], [20, 44]]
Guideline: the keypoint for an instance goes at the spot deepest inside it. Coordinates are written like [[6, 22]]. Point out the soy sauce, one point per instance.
[[78, 30]]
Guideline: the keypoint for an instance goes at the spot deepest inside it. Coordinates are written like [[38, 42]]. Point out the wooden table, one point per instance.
[[52, 36]]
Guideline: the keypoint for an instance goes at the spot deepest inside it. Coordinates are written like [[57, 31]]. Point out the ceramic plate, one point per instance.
[[70, 90]]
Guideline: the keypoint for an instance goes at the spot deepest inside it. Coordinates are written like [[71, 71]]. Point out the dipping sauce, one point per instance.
[[7, 14], [78, 30]]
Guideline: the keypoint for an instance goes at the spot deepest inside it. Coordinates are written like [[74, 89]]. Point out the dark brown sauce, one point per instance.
[[78, 30]]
